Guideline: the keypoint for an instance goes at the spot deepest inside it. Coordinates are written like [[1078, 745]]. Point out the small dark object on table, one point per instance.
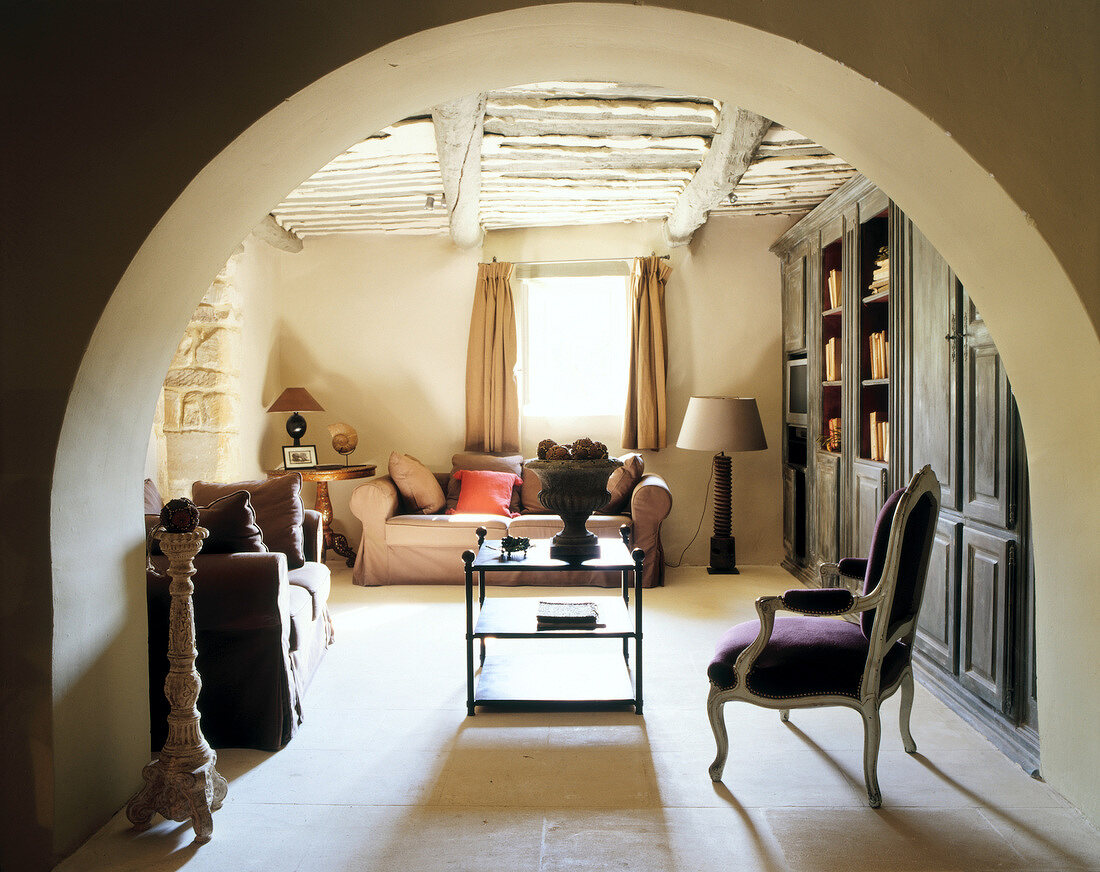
[[509, 545]]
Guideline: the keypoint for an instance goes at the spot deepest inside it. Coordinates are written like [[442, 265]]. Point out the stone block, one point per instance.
[[218, 350], [200, 379], [192, 412], [221, 412]]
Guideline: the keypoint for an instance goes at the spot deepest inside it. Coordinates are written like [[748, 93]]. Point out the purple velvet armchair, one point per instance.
[[815, 660]]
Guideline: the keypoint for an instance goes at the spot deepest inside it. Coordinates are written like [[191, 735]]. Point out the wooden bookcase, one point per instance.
[[915, 379]]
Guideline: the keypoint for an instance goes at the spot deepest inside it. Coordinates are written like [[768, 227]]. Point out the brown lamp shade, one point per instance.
[[295, 400], [722, 424]]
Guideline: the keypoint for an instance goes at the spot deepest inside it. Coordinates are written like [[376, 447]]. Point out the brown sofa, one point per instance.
[[261, 626], [401, 546]]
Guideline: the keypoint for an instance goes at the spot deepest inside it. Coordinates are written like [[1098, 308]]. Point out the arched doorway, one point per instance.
[[969, 217]]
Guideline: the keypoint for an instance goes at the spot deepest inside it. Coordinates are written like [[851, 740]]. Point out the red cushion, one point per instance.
[[484, 492]]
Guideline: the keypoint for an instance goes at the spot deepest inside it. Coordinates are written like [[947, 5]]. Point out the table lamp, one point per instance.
[[722, 424], [296, 400]]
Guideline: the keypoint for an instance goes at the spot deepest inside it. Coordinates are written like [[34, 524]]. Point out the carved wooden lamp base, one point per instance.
[[182, 784], [178, 793]]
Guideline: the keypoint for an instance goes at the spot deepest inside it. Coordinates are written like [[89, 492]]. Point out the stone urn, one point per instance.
[[574, 489]]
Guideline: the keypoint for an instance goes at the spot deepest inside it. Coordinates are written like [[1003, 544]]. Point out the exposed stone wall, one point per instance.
[[197, 426]]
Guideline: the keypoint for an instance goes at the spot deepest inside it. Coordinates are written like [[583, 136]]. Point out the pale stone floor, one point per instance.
[[388, 773]]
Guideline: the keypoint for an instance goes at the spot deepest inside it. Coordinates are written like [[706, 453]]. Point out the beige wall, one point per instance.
[[376, 327], [260, 380], [164, 161]]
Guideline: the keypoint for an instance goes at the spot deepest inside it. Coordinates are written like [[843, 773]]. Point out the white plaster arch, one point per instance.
[[965, 213]]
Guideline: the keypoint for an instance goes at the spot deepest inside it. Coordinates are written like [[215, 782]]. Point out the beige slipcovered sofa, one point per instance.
[[402, 546]]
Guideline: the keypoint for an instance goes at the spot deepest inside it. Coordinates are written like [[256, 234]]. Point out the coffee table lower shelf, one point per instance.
[[555, 681]]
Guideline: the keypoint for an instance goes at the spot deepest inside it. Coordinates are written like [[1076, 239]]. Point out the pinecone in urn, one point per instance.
[[574, 484]]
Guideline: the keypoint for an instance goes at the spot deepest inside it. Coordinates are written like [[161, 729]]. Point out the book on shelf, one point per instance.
[[832, 360], [832, 434], [880, 438], [833, 282], [879, 353], [567, 614]]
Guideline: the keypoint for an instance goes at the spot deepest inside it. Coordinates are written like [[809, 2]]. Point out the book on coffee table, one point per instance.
[[561, 615]]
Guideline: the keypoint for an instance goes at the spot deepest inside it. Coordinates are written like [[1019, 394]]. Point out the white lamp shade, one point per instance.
[[722, 424]]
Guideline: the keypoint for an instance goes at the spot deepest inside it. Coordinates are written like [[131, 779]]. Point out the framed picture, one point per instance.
[[299, 456]]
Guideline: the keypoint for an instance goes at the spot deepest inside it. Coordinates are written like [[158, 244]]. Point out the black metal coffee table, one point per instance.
[[583, 681]]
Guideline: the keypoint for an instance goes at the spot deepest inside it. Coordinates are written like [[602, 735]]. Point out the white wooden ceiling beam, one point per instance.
[[459, 130], [732, 149], [274, 234]]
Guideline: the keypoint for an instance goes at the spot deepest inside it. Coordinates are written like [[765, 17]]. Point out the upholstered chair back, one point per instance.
[[916, 544], [876, 557]]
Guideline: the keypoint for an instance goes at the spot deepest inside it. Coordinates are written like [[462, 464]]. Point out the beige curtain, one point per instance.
[[492, 398], [646, 415]]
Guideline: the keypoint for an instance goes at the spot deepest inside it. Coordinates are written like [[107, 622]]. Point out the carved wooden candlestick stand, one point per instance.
[[182, 783]]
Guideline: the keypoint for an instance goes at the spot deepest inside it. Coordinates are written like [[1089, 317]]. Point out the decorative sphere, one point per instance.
[[179, 516]]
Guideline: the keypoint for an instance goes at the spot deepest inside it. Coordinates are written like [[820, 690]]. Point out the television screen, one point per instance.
[[797, 398]]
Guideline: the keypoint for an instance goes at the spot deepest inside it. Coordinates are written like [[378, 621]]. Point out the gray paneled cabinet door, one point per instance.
[[869, 495], [826, 510], [988, 457], [794, 304], [933, 345], [789, 508], [986, 594], [937, 625]]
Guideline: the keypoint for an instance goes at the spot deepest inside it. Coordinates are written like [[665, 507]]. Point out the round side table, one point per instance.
[[322, 475]]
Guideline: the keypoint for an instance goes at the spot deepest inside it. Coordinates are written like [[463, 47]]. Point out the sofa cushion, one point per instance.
[[277, 503], [442, 531], [316, 579], [301, 616], [529, 493], [472, 460], [485, 492], [232, 525], [419, 488], [622, 482], [231, 522]]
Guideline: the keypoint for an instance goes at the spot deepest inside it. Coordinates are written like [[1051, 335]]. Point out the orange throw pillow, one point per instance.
[[484, 492]]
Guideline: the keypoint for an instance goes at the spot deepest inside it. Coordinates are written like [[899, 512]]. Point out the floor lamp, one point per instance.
[[722, 424]]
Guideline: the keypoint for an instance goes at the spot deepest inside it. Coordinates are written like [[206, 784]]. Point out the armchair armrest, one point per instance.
[[232, 591], [314, 535], [818, 601], [650, 503], [854, 569], [767, 606]]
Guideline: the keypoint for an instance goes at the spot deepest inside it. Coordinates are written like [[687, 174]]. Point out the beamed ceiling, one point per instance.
[[559, 153]]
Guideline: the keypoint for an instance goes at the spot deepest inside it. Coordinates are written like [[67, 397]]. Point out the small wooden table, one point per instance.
[[322, 475], [594, 681]]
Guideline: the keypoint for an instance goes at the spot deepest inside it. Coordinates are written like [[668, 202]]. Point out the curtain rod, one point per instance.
[[591, 259]]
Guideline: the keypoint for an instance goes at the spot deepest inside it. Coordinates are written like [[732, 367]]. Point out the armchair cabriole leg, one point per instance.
[[784, 715], [906, 711], [721, 739], [872, 732]]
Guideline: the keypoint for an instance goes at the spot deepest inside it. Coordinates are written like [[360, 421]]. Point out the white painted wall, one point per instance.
[[260, 381], [376, 328]]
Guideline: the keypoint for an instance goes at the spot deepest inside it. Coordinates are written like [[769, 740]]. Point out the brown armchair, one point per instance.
[[262, 622], [812, 660]]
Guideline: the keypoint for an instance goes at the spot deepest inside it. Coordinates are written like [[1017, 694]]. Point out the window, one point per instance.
[[574, 337]]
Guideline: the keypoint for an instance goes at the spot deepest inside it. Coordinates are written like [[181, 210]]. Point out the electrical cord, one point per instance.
[[699, 526]]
